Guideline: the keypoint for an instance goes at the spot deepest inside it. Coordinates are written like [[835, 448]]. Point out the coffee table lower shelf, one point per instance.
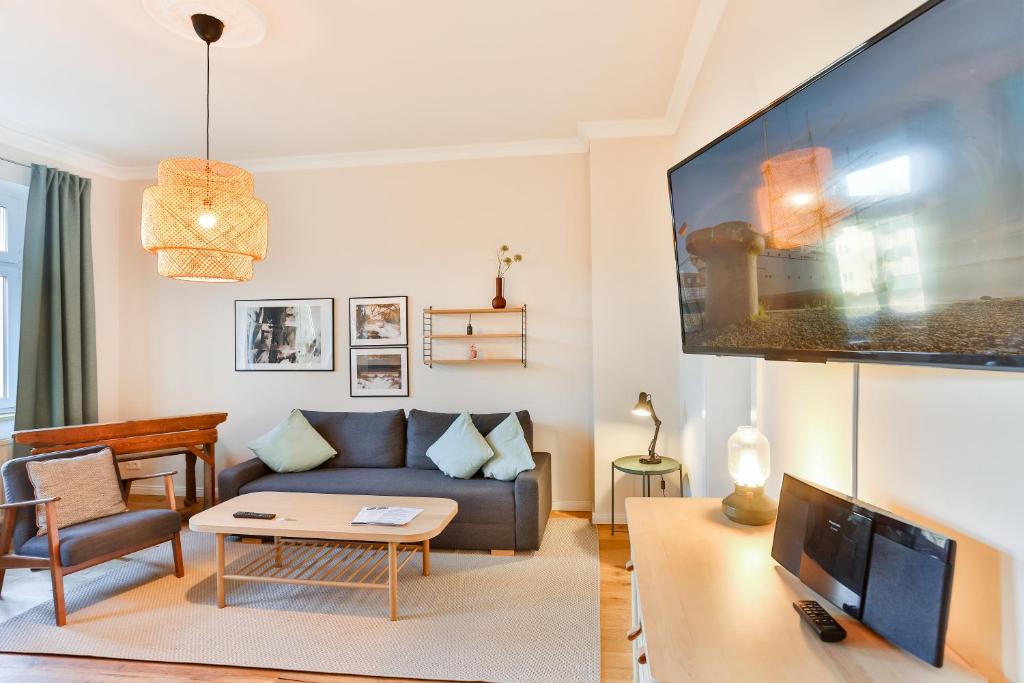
[[341, 564]]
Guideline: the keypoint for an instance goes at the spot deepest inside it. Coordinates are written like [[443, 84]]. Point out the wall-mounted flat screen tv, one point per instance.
[[875, 213]]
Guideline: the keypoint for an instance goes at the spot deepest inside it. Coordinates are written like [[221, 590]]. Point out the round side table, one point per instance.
[[631, 464]]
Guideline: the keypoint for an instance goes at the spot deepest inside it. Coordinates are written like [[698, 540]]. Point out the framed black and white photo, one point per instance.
[[378, 321], [379, 372], [284, 334]]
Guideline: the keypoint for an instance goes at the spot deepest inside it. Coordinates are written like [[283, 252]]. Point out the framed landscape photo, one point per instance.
[[284, 334], [378, 321], [379, 372]]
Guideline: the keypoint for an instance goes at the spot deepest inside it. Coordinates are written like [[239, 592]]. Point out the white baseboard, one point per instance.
[[572, 505], [157, 489], [606, 518]]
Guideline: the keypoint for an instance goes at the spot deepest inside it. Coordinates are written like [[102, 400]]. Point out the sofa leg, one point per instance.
[[502, 553], [179, 563]]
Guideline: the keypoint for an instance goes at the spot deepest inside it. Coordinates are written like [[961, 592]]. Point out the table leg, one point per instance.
[[209, 480], [680, 482], [613, 499], [220, 570], [190, 479], [393, 580], [277, 551], [426, 557]]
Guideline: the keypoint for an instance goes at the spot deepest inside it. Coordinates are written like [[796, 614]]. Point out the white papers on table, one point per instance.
[[386, 516]]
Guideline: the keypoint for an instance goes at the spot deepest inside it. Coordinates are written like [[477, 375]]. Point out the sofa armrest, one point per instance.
[[533, 503], [235, 477]]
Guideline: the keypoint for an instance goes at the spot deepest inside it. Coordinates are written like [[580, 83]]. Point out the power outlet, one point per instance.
[[133, 465]]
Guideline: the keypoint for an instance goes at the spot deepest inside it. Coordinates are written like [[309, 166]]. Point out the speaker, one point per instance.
[[894, 576], [790, 525], [910, 578]]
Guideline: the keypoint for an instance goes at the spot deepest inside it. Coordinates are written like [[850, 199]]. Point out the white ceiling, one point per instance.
[[337, 76]]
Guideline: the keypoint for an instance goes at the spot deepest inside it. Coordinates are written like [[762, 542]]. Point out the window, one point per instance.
[[12, 234]]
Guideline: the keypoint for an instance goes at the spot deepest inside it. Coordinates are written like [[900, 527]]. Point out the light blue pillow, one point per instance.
[[461, 450], [292, 446], [511, 452]]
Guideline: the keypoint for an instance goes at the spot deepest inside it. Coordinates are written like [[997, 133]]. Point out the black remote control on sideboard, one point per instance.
[[827, 628], [241, 514]]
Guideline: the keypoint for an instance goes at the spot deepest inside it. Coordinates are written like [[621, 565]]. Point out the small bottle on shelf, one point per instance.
[[472, 352]]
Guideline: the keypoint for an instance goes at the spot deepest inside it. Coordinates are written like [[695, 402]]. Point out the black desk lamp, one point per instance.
[[644, 407]]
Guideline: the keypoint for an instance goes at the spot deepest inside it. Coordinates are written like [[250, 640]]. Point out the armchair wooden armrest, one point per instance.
[[27, 503], [168, 485]]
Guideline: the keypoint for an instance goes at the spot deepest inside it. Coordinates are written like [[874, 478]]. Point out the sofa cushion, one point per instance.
[[483, 501], [461, 450], [511, 454], [362, 439], [292, 446], [82, 542], [426, 427]]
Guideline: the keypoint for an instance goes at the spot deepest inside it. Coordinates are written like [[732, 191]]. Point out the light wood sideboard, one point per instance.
[[712, 605]]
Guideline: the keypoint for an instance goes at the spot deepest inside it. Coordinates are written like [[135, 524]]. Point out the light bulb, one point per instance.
[[207, 220], [800, 198]]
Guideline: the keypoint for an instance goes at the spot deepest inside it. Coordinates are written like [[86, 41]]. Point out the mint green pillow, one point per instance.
[[292, 446], [461, 450], [511, 452]]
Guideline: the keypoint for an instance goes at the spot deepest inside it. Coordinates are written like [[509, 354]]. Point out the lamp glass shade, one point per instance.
[[749, 457], [203, 221]]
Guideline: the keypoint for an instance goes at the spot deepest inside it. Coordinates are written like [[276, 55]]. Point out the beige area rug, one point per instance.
[[532, 617]]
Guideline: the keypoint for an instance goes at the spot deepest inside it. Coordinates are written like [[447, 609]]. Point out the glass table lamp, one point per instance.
[[749, 466], [645, 408]]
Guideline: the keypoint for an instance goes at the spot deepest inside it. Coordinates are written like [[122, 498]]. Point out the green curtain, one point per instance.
[[57, 353]]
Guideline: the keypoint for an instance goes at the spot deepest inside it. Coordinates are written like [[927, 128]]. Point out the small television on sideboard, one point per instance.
[[874, 213]]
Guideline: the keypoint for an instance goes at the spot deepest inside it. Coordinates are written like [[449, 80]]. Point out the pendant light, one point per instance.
[[201, 219]]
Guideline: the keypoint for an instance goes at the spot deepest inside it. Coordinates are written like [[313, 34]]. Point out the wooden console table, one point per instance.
[[710, 604], [194, 436]]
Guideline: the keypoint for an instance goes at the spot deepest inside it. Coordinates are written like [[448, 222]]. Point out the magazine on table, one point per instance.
[[386, 515]]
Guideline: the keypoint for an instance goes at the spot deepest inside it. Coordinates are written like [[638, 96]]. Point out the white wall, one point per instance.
[[940, 446], [428, 231], [635, 332]]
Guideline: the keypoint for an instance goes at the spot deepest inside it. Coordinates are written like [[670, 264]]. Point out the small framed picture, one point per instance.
[[284, 334], [379, 372], [378, 321]]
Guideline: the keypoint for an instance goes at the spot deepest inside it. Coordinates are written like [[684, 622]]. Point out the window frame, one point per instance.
[[13, 197]]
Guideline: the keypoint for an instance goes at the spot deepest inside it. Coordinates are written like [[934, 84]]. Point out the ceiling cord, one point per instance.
[[207, 102]]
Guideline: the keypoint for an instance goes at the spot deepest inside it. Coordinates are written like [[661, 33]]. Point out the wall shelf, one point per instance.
[[473, 311], [486, 335], [429, 337]]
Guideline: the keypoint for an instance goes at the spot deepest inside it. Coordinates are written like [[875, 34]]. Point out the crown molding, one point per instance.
[[391, 157], [698, 42], [626, 128], [42, 150]]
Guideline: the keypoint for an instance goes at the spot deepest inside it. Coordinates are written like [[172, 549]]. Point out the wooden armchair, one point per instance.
[[79, 546]]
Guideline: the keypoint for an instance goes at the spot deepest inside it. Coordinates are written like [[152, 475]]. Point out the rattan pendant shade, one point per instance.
[[201, 218], [203, 222]]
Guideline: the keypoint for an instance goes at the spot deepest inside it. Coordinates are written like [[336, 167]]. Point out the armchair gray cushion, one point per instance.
[[18, 487], [82, 542], [426, 427], [362, 439]]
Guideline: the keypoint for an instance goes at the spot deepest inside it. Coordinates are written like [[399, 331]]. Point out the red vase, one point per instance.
[[498, 301]]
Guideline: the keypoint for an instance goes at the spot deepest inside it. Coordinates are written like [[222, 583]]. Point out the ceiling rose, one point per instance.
[[245, 25]]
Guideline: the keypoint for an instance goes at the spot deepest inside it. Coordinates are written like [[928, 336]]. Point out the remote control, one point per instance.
[[254, 515], [827, 628]]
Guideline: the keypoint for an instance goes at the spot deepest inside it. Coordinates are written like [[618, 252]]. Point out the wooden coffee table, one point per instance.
[[316, 544]]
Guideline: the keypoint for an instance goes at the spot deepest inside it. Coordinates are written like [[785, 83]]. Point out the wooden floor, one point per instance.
[[615, 649]]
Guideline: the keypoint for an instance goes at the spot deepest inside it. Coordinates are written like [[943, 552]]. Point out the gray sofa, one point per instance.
[[385, 454]]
